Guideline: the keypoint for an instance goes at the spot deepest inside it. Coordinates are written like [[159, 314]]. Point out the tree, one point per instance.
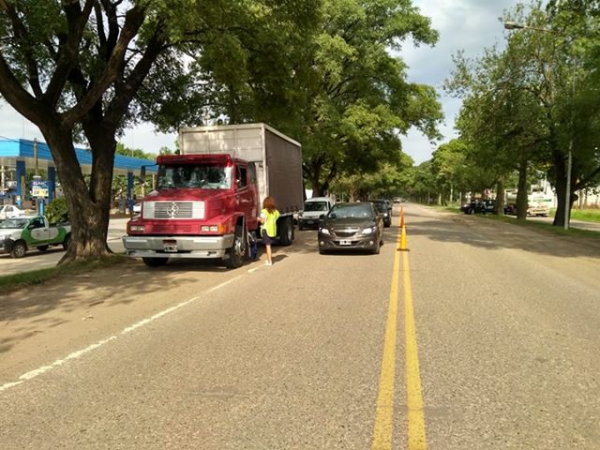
[[353, 99], [89, 66], [526, 107], [449, 164]]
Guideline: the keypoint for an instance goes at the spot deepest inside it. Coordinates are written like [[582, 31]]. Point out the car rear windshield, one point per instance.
[[315, 206], [354, 211], [194, 176]]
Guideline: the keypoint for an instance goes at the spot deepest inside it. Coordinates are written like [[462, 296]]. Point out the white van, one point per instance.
[[314, 208]]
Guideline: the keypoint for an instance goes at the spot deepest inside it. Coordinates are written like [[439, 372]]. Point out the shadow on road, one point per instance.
[[30, 311], [490, 234]]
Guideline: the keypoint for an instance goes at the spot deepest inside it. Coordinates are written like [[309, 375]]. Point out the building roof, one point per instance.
[[12, 151]]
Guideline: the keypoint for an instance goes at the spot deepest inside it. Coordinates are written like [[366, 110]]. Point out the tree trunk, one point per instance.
[[103, 144], [522, 203], [559, 218], [88, 239], [561, 188], [500, 198]]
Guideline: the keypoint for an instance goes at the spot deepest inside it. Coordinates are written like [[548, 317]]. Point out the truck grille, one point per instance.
[[171, 229], [173, 210]]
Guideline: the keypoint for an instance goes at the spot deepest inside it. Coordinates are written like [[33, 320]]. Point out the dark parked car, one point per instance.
[[511, 209], [384, 207], [479, 207], [351, 226]]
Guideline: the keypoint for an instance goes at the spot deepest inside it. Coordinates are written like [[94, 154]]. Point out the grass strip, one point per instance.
[[545, 226], [10, 283], [585, 215]]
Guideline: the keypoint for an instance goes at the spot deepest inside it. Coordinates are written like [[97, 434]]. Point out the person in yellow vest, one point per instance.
[[268, 229]]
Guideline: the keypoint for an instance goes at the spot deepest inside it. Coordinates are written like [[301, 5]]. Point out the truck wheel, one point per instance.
[[286, 232], [237, 252], [19, 249], [42, 248], [66, 242], [155, 262]]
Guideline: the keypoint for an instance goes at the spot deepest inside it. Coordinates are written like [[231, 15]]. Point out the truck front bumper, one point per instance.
[[177, 246]]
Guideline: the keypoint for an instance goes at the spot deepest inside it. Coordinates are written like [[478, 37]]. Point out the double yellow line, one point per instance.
[[384, 418]]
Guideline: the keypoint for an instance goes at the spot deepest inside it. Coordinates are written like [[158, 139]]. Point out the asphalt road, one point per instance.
[[481, 336]]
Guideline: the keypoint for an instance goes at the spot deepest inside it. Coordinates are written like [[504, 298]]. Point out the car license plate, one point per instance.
[[310, 222], [345, 242], [170, 246]]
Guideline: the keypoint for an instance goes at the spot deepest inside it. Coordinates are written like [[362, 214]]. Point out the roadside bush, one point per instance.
[[57, 211]]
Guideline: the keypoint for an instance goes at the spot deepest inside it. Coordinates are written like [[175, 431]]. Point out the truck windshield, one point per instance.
[[14, 223], [194, 176]]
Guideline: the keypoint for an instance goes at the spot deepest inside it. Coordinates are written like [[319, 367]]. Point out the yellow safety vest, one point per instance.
[[271, 223]]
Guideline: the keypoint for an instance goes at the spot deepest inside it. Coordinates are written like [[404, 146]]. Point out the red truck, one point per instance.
[[208, 198]]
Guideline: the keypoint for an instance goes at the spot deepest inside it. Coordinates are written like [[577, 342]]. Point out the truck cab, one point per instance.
[[202, 207]]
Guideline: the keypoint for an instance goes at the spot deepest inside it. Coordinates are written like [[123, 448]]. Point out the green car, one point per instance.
[[19, 234]]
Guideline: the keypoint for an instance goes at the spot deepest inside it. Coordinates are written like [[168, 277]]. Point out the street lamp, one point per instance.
[[519, 26]]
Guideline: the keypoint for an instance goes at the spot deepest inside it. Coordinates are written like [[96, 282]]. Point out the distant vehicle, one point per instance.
[[384, 207], [19, 234], [510, 209], [398, 199], [351, 226], [314, 208], [538, 209], [479, 206], [10, 211]]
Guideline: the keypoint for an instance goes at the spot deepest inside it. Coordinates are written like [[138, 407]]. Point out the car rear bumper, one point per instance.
[[177, 246]]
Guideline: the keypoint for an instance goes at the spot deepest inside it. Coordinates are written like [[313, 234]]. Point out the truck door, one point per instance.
[[244, 193]]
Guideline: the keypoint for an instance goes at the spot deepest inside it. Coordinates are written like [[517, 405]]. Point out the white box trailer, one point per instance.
[[278, 158]]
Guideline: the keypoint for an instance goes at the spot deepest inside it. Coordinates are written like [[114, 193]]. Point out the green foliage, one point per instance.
[[526, 107], [57, 210], [323, 74]]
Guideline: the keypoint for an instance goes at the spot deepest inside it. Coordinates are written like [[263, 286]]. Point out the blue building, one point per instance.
[[23, 154]]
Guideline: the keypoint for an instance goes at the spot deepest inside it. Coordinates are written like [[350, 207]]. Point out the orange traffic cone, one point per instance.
[[402, 247]]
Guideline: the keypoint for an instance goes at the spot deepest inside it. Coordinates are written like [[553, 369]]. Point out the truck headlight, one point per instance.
[[213, 229]]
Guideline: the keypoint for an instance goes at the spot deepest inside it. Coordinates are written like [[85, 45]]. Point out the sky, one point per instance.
[[468, 25]]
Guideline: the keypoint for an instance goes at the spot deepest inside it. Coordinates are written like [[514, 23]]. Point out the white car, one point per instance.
[[10, 211], [314, 208]]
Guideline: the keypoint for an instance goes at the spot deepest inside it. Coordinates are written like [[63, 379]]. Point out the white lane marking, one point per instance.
[[79, 353], [9, 385], [34, 373]]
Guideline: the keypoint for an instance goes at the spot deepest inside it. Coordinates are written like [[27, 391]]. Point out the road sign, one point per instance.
[[39, 188]]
